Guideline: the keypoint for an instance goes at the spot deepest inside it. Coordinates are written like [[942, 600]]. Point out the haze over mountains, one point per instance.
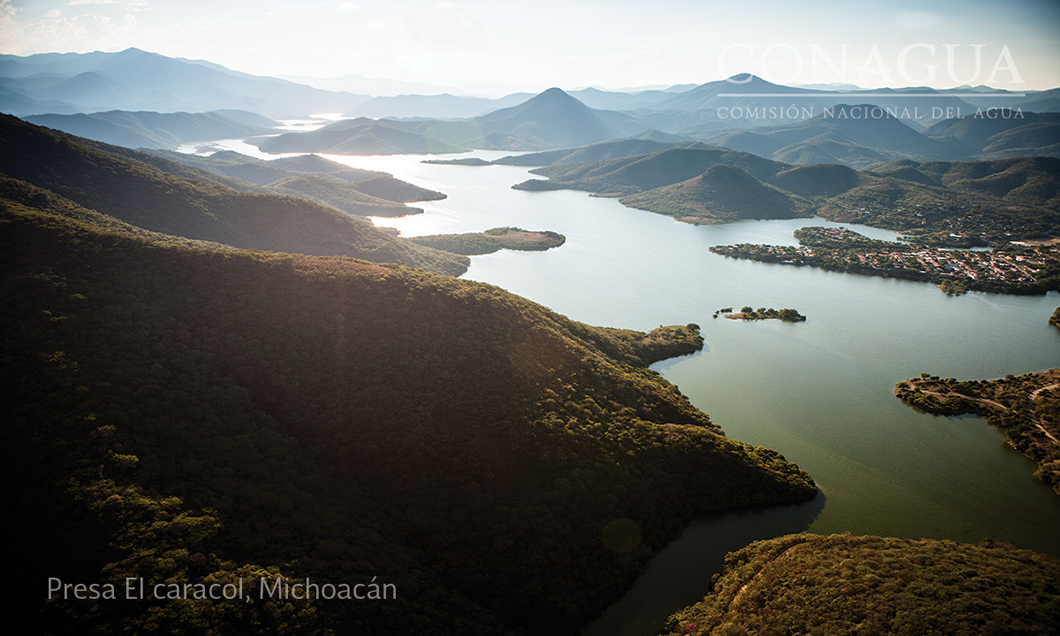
[[68, 83], [218, 371], [796, 125]]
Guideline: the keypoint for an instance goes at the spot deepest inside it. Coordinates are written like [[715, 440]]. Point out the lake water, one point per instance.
[[819, 392]]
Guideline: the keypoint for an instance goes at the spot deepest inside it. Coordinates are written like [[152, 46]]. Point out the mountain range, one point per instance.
[[696, 183], [796, 125], [69, 83], [548, 120]]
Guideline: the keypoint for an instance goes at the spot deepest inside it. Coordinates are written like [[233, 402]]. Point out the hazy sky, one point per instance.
[[533, 45]]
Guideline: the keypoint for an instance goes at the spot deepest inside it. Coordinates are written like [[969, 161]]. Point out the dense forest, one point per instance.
[[843, 584], [187, 412], [1026, 407]]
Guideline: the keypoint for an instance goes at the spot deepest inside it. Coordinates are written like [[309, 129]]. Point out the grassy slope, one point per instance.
[[142, 195], [209, 411], [842, 584]]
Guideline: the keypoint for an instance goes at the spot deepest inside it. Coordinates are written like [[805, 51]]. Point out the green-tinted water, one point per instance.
[[820, 392]]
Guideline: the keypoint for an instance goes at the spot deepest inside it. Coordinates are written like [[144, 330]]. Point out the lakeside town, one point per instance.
[[1015, 268]]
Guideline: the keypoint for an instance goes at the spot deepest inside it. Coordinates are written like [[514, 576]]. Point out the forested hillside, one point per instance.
[[842, 584], [186, 413], [194, 206]]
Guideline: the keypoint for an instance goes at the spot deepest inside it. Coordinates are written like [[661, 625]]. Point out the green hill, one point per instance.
[[722, 193], [352, 190], [186, 413], [1021, 180], [842, 584], [942, 203], [630, 175], [146, 197], [1027, 133]]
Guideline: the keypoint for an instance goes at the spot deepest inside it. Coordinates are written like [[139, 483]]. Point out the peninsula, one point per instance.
[[1026, 408], [1011, 269], [844, 584]]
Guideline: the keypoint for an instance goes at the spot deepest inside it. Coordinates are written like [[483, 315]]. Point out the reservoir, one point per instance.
[[819, 392]]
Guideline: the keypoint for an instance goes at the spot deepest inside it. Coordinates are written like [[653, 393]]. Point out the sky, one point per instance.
[[494, 46]]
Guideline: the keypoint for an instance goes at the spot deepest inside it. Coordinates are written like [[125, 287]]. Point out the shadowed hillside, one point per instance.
[[144, 196], [187, 413]]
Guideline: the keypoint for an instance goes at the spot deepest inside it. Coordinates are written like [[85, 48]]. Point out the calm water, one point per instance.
[[819, 392]]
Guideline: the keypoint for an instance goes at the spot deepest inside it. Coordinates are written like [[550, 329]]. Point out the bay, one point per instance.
[[819, 392]]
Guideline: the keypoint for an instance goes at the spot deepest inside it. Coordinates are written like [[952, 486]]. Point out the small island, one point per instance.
[[1054, 320], [750, 313], [466, 161], [492, 240]]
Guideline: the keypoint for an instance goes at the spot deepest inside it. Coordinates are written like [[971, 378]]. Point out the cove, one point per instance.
[[818, 392]]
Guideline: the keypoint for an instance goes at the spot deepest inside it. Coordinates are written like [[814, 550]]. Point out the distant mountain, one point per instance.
[[149, 129], [623, 101], [548, 120], [554, 118], [138, 80], [359, 136], [142, 195], [721, 93], [1006, 133], [857, 135]]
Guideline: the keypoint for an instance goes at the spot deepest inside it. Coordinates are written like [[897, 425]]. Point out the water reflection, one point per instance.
[[680, 574]]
